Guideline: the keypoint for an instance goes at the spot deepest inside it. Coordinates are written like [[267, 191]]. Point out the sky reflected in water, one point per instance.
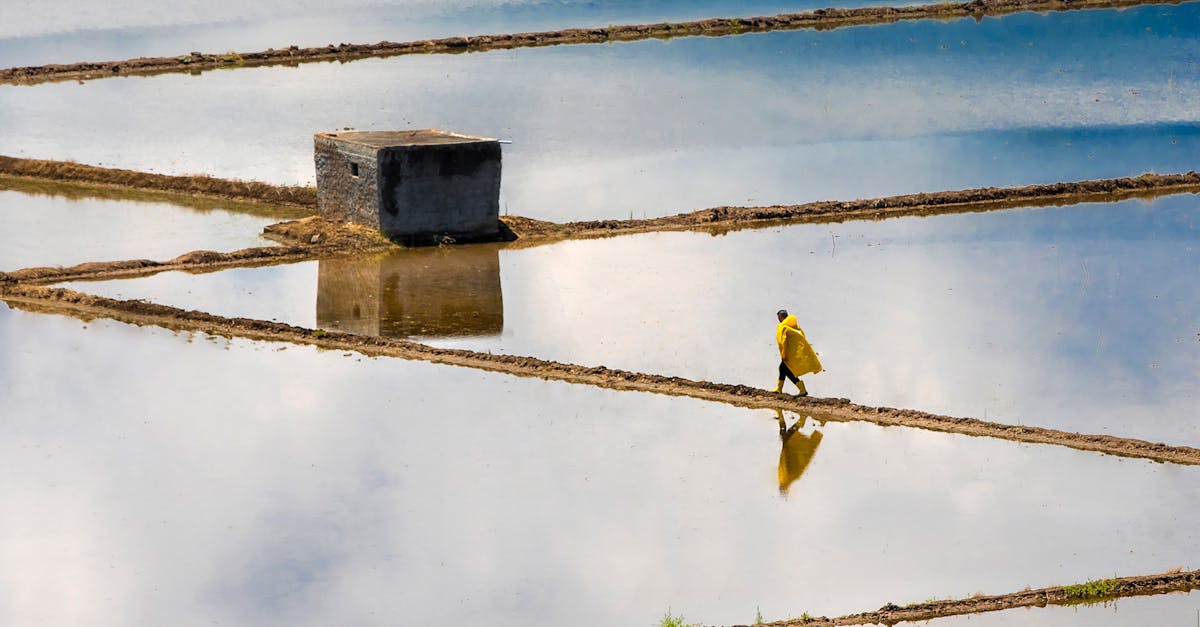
[[206, 480], [43, 230], [654, 128], [1083, 318], [62, 31]]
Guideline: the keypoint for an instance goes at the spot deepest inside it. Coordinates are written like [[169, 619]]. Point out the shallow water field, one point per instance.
[[206, 480], [655, 128], [53, 230], [1165, 609], [1080, 318], [64, 32], [159, 477]]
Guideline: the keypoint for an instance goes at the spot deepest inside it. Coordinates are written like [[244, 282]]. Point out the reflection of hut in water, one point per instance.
[[415, 292]]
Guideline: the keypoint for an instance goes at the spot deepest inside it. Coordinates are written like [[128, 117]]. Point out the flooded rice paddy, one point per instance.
[[654, 128], [181, 478], [1078, 318], [63, 32], [254, 483], [62, 230]]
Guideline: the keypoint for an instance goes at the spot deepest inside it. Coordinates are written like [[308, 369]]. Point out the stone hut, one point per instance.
[[417, 187]]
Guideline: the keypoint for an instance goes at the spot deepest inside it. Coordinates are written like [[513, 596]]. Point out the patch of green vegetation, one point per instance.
[[736, 25], [670, 620], [185, 59], [320, 333], [1097, 589], [758, 615], [232, 57]]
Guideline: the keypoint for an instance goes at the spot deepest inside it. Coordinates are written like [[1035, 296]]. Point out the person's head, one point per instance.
[[781, 314]]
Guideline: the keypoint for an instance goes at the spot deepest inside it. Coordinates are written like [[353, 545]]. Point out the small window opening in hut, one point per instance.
[[354, 170]]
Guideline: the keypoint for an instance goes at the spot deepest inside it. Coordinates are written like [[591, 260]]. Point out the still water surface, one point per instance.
[[51, 230], [62, 31], [1083, 318], [247, 483], [654, 128]]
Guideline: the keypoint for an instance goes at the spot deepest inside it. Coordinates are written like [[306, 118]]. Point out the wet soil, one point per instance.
[[192, 186], [143, 313], [101, 191], [343, 240], [820, 19], [313, 237], [1059, 595], [525, 231], [724, 219]]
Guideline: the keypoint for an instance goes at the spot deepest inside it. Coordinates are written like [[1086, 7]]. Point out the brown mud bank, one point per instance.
[[87, 306], [527, 231], [346, 240], [820, 19], [315, 237], [1091, 592], [723, 219], [93, 191], [191, 186], [714, 220]]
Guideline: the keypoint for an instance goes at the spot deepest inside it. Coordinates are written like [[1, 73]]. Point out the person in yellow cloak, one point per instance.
[[796, 356]]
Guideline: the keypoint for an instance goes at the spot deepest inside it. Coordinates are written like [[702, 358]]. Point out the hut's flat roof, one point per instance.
[[421, 137]]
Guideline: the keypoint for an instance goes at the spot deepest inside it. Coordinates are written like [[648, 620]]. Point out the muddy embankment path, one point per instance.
[[87, 307], [820, 19], [527, 231], [194, 186], [1145, 585]]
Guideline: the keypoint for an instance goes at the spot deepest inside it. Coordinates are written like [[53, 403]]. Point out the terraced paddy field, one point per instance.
[[308, 425], [67, 226], [652, 128], [253, 483], [1077, 318]]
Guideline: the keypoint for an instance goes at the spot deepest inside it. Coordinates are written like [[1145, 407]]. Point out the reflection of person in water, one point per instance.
[[796, 356], [797, 452]]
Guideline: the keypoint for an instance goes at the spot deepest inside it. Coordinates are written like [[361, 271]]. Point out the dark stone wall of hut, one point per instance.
[[451, 189], [347, 181]]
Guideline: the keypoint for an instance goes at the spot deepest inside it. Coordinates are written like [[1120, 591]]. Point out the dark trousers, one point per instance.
[[786, 373]]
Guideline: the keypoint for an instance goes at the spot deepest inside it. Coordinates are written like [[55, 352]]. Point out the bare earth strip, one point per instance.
[[718, 219], [821, 19], [88, 306], [193, 186], [722, 219], [1059, 595]]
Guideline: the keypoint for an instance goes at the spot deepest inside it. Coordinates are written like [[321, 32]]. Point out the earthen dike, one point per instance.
[[315, 238], [820, 19]]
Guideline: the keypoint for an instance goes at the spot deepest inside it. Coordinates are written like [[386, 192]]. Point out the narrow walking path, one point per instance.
[[87, 306], [1089, 592], [821, 19]]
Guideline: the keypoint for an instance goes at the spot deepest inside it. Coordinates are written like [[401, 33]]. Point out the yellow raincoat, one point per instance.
[[797, 452], [794, 349]]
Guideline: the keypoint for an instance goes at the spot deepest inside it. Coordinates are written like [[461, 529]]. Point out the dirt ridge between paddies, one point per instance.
[[1092, 592], [820, 19], [201, 186], [88, 306], [717, 219]]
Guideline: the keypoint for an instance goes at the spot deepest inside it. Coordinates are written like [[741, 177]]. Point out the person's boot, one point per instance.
[[778, 387], [803, 390]]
